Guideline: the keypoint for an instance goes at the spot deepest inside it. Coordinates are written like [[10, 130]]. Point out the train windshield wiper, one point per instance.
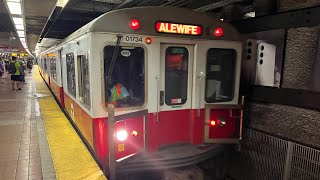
[[113, 60]]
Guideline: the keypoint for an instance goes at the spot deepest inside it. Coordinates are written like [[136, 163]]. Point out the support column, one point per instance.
[[286, 5], [300, 56], [316, 72], [301, 49]]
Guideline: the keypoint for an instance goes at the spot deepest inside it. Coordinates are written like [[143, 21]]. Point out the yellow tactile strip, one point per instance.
[[71, 159]]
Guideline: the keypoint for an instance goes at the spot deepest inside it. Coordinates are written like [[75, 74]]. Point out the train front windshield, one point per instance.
[[127, 87], [220, 76]]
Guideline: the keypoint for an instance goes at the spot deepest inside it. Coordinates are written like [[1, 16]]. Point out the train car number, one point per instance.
[[133, 39]]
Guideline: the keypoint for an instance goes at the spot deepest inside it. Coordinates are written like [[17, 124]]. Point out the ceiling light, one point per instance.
[[20, 34], [62, 3], [13, 0], [250, 14], [23, 39], [14, 7], [17, 20], [19, 27]]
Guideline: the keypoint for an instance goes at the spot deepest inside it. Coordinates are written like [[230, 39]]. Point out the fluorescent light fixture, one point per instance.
[[62, 3], [13, 0], [14, 7], [19, 27], [23, 39], [21, 34], [250, 14], [17, 20]]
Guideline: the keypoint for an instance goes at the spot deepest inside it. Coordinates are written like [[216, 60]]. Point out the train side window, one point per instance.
[[84, 80], [220, 75], [71, 77], [45, 63], [176, 75], [126, 85], [53, 70]]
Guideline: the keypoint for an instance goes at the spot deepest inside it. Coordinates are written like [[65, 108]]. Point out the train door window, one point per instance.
[[53, 70], [220, 75], [71, 77], [84, 81], [125, 87], [45, 63], [176, 75]]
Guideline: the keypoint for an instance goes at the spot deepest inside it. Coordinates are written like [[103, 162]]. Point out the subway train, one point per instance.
[[150, 87]]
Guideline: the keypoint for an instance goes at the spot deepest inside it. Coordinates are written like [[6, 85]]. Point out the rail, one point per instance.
[[111, 121]]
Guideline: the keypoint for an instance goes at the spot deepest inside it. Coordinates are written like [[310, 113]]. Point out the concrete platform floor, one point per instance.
[[24, 152]]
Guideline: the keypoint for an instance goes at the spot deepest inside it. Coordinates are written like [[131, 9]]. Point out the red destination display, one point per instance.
[[173, 28]]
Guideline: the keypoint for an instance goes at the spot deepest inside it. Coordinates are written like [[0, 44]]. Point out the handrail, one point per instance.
[[112, 154], [200, 98], [112, 119]]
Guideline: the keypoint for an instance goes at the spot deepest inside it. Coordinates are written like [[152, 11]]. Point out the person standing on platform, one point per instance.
[[1, 69], [29, 65], [14, 70], [22, 71]]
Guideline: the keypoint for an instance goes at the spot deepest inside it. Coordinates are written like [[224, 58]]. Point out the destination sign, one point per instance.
[[174, 28]]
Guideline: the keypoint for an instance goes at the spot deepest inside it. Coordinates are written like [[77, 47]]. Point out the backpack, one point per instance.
[[12, 68]]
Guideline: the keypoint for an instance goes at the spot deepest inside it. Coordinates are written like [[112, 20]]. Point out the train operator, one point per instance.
[[119, 95]]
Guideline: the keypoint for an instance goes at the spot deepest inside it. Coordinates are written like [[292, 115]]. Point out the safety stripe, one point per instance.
[[71, 159]]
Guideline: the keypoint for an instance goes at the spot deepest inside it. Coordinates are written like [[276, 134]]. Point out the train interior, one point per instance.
[[127, 70]]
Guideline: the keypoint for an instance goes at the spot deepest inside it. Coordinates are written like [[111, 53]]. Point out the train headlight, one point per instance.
[[212, 122], [122, 135], [134, 133]]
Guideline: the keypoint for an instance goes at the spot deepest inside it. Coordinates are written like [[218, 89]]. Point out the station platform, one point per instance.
[[36, 139]]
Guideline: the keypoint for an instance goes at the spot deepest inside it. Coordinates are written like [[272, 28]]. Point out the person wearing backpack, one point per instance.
[[14, 70], [22, 71], [2, 71], [29, 65]]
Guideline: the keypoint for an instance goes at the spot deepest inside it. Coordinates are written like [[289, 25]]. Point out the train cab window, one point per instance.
[[71, 77], [53, 70], [124, 81], [220, 75], [84, 81], [176, 75]]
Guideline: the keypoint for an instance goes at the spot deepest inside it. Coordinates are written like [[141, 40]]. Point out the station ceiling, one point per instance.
[[47, 23]]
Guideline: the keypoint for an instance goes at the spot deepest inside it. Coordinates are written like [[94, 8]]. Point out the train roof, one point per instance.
[[118, 22]]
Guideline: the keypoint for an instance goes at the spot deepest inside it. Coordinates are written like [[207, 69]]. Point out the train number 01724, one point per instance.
[[133, 39]]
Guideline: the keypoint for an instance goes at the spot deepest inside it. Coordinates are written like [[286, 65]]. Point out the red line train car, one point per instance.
[[172, 75]]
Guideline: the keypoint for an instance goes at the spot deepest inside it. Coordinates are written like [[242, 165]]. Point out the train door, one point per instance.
[[61, 78], [223, 121], [175, 93]]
